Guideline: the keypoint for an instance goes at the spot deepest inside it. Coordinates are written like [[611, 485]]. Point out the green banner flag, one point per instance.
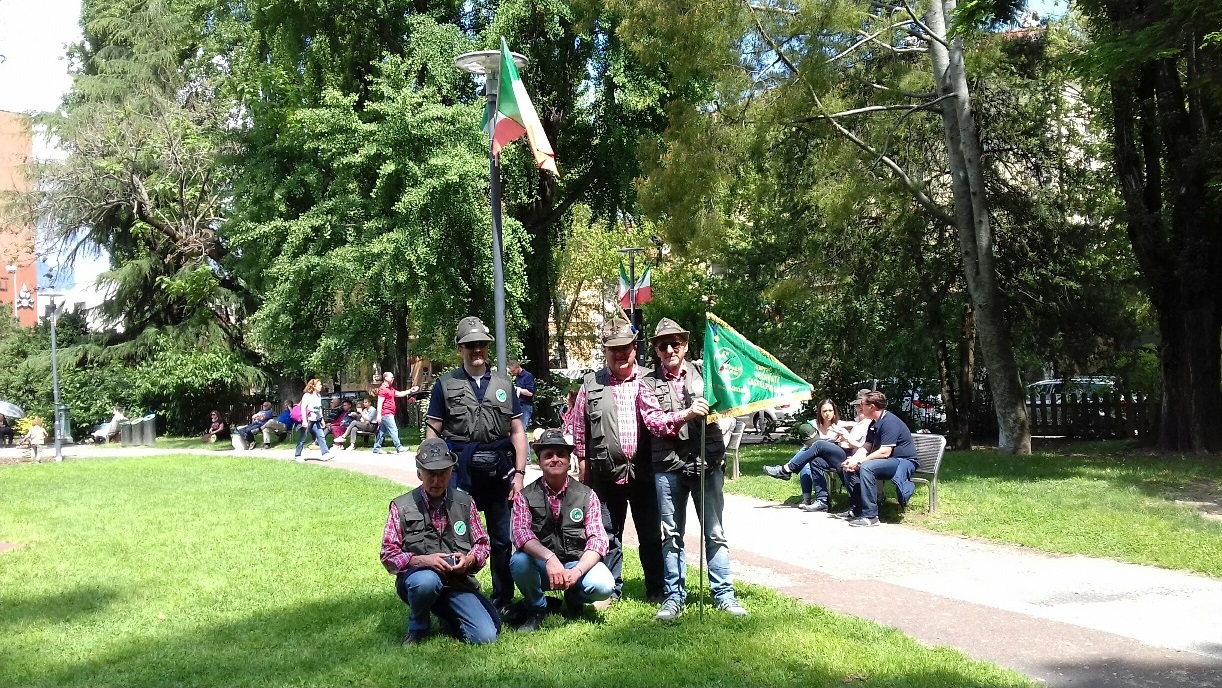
[[740, 377]]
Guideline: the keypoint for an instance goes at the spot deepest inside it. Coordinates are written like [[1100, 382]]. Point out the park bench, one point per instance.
[[930, 449], [735, 441]]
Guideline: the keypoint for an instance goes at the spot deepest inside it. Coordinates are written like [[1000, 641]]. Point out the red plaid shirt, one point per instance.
[[631, 398], [520, 531], [397, 561]]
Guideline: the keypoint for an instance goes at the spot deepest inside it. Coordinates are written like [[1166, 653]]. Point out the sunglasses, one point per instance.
[[474, 345], [676, 345]]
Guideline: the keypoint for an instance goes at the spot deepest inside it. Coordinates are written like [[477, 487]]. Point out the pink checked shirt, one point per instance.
[[631, 398], [520, 532], [397, 561]]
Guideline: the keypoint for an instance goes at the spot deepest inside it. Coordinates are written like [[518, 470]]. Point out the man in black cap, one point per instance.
[[615, 413], [678, 383], [477, 413], [558, 532], [433, 543]]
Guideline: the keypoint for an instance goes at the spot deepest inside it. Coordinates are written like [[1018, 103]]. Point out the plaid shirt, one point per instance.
[[521, 532], [631, 398], [397, 561]]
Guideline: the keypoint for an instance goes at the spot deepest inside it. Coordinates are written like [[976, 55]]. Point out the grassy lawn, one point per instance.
[[201, 570], [410, 437], [1105, 499]]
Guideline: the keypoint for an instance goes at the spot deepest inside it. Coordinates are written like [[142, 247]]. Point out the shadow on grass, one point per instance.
[[355, 640], [63, 607]]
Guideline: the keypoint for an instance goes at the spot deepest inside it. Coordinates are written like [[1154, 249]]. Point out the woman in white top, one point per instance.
[[311, 420]]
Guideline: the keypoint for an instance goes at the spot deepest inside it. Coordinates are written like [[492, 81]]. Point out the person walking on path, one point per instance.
[[524, 387], [387, 394], [477, 413], [678, 383], [311, 420], [612, 417], [433, 543], [558, 532], [35, 438]]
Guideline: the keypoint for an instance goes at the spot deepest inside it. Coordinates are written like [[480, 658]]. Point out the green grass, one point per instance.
[[1103, 499], [202, 570]]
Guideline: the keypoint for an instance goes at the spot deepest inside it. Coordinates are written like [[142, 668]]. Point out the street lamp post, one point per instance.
[[488, 63], [59, 453], [12, 270]]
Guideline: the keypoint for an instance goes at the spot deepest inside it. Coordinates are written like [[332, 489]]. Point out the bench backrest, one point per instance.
[[929, 450], [736, 437]]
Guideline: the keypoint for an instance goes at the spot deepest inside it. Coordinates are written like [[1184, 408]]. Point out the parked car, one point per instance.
[[1055, 390]]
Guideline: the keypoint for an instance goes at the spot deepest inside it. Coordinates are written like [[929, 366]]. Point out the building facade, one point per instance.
[[19, 287]]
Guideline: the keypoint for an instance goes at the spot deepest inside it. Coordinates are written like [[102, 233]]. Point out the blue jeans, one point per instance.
[[530, 575], [387, 426], [810, 462], [674, 489], [527, 412], [320, 436], [469, 614], [863, 484]]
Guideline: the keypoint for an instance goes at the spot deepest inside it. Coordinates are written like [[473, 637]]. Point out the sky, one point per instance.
[[33, 33]]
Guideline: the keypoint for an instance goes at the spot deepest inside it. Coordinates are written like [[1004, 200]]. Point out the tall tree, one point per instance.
[[1162, 62]]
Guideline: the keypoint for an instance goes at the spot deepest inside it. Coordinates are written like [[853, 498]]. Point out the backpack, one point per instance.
[[295, 413]]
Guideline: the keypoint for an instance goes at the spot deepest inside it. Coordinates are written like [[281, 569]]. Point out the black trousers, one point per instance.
[[641, 494]]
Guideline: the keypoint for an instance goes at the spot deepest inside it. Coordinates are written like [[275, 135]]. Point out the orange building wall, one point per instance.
[[16, 239]]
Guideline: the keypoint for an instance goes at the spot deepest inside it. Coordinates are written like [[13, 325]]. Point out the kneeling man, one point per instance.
[[557, 528], [433, 543]]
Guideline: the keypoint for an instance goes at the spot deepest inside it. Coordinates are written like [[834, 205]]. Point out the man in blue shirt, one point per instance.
[[524, 387], [476, 412], [890, 455]]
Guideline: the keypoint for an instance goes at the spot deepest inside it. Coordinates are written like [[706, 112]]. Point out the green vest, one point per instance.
[[603, 449], [568, 537], [420, 537], [683, 448], [471, 420]]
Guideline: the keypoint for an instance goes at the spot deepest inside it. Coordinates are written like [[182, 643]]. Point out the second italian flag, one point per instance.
[[515, 115]]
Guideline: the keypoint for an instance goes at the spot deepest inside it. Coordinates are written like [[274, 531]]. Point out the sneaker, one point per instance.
[[413, 638], [607, 603], [378, 451], [847, 514], [731, 607], [326, 457], [299, 458], [670, 610], [400, 450], [864, 522], [816, 506], [532, 622], [778, 472], [267, 446]]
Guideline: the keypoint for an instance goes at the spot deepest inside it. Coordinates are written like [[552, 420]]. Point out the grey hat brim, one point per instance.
[[475, 337], [619, 341], [686, 335]]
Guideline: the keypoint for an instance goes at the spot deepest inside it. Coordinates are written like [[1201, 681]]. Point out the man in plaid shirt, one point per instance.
[[433, 543], [614, 414], [558, 532]]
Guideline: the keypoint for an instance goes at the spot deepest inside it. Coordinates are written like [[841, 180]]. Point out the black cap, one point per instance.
[[434, 455], [554, 438], [472, 329]]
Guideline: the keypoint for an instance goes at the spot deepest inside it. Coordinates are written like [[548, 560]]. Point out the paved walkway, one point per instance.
[[1067, 620]]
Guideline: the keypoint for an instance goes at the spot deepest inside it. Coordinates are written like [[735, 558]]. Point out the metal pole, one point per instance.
[[59, 454], [704, 427], [498, 269]]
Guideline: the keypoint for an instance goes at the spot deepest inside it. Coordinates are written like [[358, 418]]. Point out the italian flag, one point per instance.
[[644, 292], [515, 115]]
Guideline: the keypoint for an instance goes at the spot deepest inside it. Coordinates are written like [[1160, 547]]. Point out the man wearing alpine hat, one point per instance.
[[613, 416], [678, 383], [433, 543], [476, 411], [558, 532]]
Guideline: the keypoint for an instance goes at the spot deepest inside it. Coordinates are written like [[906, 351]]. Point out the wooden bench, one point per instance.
[[930, 449]]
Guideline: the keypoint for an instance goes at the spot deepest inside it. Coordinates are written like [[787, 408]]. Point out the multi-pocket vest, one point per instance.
[[566, 535], [470, 420], [420, 537], [673, 453], [603, 449]]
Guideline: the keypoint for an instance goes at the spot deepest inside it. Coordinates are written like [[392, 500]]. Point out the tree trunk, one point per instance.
[[976, 234], [961, 432], [1163, 166]]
